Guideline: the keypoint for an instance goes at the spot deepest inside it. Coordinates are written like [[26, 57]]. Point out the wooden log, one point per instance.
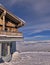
[[14, 30], [8, 49], [10, 24], [3, 23], [1, 28]]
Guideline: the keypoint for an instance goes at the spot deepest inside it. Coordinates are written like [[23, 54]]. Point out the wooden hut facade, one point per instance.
[[9, 33]]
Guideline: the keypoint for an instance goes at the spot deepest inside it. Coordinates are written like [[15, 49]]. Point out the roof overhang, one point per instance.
[[12, 16]]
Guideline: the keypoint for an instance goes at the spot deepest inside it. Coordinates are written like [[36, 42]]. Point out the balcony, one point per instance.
[[10, 34]]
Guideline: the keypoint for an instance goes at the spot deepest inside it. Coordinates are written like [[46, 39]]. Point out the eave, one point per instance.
[[12, 17]]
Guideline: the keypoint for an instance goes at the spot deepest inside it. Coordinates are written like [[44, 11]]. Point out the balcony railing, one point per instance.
[[11, 34]]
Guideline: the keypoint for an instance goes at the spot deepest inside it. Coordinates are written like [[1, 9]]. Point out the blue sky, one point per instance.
[[36, 13]]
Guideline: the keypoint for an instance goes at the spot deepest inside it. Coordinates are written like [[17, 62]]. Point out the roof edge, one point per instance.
[[14, 16]]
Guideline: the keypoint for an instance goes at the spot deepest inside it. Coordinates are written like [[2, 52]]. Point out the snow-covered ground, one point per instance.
[[32, 47], [31, 54], [31, 58]]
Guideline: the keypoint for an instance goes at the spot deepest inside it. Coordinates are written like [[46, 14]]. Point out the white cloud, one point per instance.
[[44, 41], [15, 2], [37, 38], [42, 6], [39, 6], [36, 28]]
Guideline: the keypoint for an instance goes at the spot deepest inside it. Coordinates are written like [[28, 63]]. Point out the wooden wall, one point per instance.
[[9, 26]]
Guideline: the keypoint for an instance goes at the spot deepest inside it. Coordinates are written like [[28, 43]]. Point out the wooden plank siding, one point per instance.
[[10, 34], [10, 29], [1, 28], [1, 21], [8, 26]]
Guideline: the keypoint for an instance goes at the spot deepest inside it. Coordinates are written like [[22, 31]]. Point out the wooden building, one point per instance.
[[9, 33]]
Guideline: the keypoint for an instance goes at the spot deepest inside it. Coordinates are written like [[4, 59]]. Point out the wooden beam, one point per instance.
[[4, 20], [3, 23], [8, 48], [3, 14], [0, 49], [20, 24]]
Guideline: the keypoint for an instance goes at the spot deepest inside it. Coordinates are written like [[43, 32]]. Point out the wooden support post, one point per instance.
[[0, 49], [3, 23], [4, 20], [8, 49]]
